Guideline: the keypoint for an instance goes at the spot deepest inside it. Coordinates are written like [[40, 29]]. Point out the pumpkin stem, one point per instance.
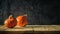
[[10, 16], [25, 15]]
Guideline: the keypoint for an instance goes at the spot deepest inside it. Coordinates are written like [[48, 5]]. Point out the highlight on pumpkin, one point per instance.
[[10, 22], [21, 20]]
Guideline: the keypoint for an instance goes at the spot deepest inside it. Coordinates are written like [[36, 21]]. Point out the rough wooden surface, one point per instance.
[[32, 28]]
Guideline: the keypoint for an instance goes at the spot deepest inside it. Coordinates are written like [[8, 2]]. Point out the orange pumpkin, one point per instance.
[[10, 22], [21, 21]]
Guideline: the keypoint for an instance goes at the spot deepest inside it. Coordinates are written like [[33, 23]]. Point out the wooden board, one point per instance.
[[31, 29]]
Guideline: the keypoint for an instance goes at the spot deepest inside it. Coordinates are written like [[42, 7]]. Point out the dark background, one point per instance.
[[40, 12]]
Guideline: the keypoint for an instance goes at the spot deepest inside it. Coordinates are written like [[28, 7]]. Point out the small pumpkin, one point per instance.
[[21, 21], [10, 22]]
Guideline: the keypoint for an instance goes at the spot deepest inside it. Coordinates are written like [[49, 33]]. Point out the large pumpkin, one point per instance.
[[10, 22], [21, 21]]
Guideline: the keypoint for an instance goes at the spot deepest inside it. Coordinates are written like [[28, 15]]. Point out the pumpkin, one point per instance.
[[10, 22], [21, 21]]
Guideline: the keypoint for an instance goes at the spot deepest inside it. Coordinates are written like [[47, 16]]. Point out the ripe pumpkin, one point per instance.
[[21, 21], [10, 22]]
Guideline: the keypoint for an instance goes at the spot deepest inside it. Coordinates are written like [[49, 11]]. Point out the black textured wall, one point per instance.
[[39, 12]]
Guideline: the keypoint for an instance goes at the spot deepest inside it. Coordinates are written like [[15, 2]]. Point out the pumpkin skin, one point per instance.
[[10, 22], [21, 21]]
